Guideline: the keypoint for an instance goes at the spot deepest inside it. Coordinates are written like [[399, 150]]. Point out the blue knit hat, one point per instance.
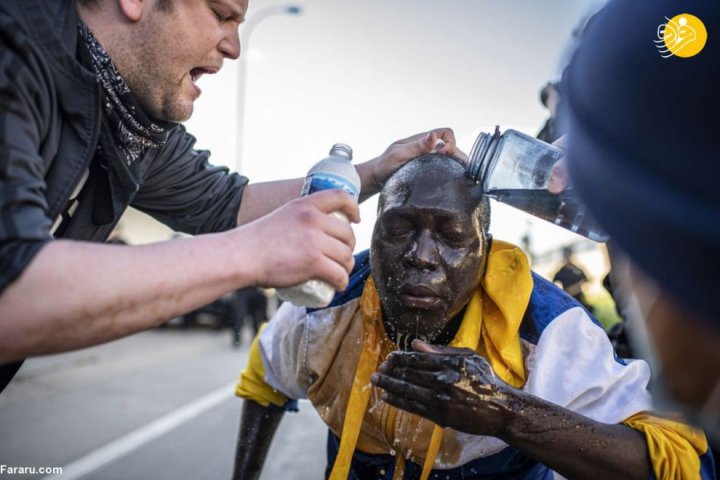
[[644, 143]]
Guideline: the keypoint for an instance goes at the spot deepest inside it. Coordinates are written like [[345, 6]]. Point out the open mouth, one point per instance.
[[198, 72]]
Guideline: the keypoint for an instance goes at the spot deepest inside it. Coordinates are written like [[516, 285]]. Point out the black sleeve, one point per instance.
[[184, 191], [24, 114]]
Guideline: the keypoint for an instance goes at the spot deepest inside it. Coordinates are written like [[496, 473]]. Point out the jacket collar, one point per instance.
[[52, 24]]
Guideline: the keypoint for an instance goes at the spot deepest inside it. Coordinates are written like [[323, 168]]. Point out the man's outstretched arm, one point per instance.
[[77, 294], [262, 198], [457, 388], [257, 429]]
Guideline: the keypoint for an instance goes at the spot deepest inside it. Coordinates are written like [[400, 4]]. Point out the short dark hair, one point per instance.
[[398, 183]]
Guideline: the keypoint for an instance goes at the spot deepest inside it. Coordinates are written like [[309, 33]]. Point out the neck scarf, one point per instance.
[[132, 131], [490, 327]]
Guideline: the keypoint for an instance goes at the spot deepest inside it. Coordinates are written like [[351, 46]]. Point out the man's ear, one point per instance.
[[132, 9]]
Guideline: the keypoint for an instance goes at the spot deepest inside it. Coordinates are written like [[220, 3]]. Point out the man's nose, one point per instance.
[[423, 253], [230, 44]]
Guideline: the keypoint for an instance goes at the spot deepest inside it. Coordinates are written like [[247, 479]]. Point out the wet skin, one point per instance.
[[427, 257], [453, 387], [427, 249], [457, 388]]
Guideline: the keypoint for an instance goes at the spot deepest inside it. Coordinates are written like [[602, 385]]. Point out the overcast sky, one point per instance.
[[370, 72]]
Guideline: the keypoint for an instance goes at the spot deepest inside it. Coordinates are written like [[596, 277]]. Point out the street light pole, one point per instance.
[[247, 30]]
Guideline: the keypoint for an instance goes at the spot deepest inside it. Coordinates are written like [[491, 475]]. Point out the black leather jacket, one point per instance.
[[50, 115]]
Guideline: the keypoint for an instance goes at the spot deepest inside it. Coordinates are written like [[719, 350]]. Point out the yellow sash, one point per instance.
[[490, 326]]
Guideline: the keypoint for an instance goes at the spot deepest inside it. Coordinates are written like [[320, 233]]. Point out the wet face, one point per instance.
[[172, 46], [427, 250]]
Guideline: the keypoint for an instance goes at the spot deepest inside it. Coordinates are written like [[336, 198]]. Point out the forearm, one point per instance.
[[77, 294], [257, 428], [576, 446], [457, 388], [259, 199], [370, 184]]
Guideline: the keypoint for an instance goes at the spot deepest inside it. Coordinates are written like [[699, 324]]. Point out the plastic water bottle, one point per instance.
[[334, 172]]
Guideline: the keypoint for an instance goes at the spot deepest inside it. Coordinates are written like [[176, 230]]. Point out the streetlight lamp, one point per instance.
[[247, 30]]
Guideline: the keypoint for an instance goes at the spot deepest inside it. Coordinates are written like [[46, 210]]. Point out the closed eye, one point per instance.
[[397, 231], [455, 238], [225, 14], [221, 17], [397, 228]]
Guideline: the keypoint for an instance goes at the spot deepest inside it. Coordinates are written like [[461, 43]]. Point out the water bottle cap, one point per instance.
[[342, 150]]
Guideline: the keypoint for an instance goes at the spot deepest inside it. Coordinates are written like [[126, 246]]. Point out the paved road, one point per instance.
[[157, 405]]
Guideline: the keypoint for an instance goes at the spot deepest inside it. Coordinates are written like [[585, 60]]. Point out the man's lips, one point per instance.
[[421, 297], [198, 72]]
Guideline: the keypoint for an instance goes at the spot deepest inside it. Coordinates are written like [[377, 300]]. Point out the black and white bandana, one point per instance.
[[133, 132], [126, 133]]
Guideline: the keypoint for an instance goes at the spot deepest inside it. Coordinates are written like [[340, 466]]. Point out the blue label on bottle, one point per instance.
[[327, 181]]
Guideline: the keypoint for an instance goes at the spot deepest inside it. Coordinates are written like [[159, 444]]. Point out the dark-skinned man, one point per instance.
[[447, 358]]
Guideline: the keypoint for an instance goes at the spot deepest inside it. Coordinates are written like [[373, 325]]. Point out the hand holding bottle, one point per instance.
[[335, 172], [301, 241]]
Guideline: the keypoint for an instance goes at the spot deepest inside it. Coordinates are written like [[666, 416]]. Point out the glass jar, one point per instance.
[[515, 168]]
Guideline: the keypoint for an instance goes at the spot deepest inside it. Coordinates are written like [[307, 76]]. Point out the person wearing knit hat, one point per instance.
[[644, 110], [518, 373]]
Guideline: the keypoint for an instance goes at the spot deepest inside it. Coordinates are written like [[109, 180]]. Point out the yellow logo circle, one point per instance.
[[684, 35]]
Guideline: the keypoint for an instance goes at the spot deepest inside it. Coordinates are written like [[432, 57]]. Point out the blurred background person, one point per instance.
[[554, 127], [572, 278], [251, 303], [618, 333]]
